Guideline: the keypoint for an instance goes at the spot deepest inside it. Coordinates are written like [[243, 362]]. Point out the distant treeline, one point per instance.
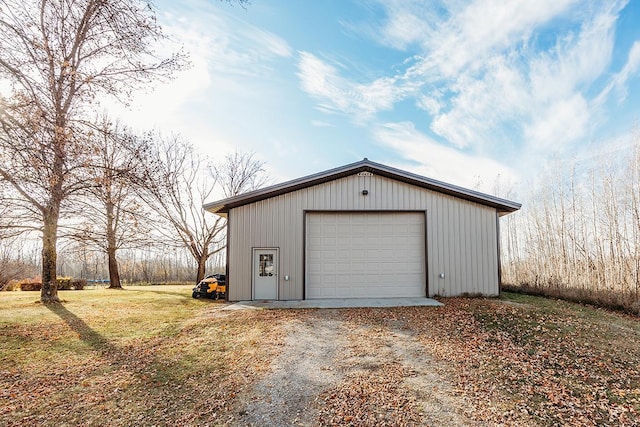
[[578, 234], [20, 259]]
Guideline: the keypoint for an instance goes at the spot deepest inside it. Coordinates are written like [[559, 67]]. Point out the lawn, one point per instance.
[[140, 356], [155, 356]]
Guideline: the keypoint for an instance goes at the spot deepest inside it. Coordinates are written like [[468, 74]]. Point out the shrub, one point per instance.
[[11, 285], [78, 284], [70, 284], [64, 283], [35, 284], [11, 270], [30, 285]]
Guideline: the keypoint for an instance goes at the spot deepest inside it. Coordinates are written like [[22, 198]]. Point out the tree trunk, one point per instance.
[[49, 292], [202, 261], [50, 218], [114, 274]]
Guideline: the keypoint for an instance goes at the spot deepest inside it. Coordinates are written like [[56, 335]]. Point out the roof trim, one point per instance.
[[503, 206]]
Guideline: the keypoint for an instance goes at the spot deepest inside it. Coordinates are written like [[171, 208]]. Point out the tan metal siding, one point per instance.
[[461, 235]]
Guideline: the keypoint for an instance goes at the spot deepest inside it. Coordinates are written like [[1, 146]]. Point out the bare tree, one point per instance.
[[111, 211], [239, 173], [58, 55], [13, 221], [580, 233], [176, 185], [12, 264]]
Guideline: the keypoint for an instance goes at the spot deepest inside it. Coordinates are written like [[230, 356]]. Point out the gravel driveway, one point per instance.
[[335, 371]]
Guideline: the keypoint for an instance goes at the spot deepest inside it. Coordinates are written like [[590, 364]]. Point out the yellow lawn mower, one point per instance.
[[212, 287]]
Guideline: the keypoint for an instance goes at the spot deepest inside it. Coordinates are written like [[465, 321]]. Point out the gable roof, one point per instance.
[[503, 206]]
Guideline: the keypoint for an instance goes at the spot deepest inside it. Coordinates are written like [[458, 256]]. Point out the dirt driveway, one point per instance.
[[333, 370], [516, 361]]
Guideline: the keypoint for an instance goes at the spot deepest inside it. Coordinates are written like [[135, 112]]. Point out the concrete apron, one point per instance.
[[335, 303]]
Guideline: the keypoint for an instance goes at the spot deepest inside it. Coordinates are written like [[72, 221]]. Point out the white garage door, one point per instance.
[[365, 255]]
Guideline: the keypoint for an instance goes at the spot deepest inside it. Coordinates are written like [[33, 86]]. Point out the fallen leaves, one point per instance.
[[493, 362], [519, 364], [375, 398]]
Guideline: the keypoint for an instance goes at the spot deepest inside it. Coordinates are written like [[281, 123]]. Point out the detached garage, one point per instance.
[[364, 230]]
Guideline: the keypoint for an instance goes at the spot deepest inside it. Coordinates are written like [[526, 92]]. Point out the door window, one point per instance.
[[266, 265]]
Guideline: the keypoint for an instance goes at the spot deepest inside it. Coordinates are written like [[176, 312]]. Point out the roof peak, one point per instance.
[[502, 205]]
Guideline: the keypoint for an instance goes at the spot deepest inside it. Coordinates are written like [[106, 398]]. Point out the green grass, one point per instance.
[[144, 353]]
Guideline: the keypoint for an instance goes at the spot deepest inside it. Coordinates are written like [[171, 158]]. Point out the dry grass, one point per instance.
[[527, 360], [155, 356], [627, 301], [147, 355]]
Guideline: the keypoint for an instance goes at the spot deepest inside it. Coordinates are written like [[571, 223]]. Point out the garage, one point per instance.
[[365, 255], [362, 230]]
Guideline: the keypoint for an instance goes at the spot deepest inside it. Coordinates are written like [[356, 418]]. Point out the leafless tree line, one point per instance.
[[136, 266], [66, 171], [579, 233], [143, 220]]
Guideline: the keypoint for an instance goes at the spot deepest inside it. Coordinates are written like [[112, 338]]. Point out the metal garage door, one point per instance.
[[365, 255]]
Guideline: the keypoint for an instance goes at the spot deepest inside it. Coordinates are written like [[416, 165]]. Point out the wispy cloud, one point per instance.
[[227, 44], [337, 94], [630, 68], [476, 31], [481, 72], [321, 124], [620, 79], [486, 62], [229, 57], [558, 123], [427, 157]]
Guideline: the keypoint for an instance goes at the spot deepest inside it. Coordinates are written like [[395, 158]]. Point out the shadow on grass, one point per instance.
[[161, 383], [86, 334]]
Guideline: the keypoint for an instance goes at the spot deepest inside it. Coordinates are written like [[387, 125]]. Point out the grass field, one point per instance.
[[155, 356], [140, 356]]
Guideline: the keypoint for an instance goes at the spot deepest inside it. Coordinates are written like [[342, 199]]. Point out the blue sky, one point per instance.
[[454, 90]]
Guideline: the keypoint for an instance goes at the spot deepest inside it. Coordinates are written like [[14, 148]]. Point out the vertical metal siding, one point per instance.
[[461, 235]]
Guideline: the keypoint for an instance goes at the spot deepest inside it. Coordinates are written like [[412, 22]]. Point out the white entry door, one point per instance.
[[265, 274]]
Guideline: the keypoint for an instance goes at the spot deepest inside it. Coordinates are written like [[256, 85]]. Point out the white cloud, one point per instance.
[[563, 122], [472, 33], [630, 68], [482, 105], [487, 76], [321, 124], [230, 59], [229, 44], [479, 75], [338, 94], [576, 60], [408, 22], [431, 104], [432, 159], [620, 79], [499, 87]]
